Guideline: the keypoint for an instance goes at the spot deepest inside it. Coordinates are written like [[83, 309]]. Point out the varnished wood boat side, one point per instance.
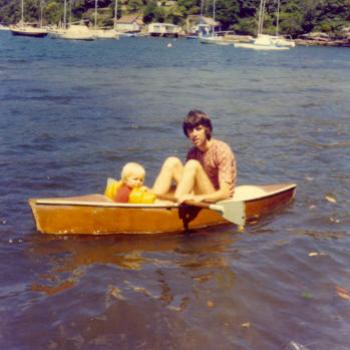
[[255, 208], [94, 214], [66, 219]]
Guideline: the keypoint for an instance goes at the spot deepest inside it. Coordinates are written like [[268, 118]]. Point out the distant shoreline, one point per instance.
[[298, 42], [332, 43]]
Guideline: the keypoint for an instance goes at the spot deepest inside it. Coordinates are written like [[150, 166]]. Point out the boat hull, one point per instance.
[[214, 40], [96, 215], [24, 32], [260, 47], [74, 37], [74, 32]]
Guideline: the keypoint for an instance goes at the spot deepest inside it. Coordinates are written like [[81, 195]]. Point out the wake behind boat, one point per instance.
[[97, 215]]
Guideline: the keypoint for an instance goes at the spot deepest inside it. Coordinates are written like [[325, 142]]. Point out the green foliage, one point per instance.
[[245, 26], [291, 23], [227, 12], [248, 8], [149, 12], [52, 12], [134, 5], [175, 14], [153, 13], [296, 16]]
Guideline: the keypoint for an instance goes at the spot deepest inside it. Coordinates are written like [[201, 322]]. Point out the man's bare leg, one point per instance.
[[194, 180], [171, 171]]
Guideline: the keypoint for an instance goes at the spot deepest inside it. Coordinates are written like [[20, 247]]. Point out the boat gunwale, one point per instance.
[[288, 187], [76, 203], [107, 204]]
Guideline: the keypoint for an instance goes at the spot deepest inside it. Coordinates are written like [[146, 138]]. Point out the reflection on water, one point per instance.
[[70, 257]]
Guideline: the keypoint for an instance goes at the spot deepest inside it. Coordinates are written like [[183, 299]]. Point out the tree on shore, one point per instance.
[[295, 16]]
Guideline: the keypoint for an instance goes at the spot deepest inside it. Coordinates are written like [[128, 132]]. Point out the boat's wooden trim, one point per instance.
[[67, 219], [102, 204], [96, 214], [255, 208], [254, 192]]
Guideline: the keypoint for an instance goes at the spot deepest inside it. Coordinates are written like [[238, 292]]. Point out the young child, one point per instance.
[[131, 189], [132, 176]]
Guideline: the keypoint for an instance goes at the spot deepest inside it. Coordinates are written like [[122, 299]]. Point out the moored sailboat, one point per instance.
[[278, 39], [72, 31], [103, 33], [75, 32], [265, 42], [27, 29]]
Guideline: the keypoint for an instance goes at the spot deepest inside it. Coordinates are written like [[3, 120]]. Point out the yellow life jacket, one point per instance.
[[138, 195], [141, 195], [112, 187]]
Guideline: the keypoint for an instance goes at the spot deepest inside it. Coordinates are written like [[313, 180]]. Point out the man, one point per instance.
[[209, 173]]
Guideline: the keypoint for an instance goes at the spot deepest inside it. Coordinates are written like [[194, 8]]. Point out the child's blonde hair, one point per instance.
[[132, 169]]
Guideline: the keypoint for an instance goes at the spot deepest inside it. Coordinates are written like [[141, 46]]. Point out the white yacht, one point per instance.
[[267, 42], [4, 27], [263, 42], [74, 32], [214, 39], [100, 33], [103, 33], [282, 41]]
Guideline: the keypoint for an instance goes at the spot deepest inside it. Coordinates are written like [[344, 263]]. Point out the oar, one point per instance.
[[233, 211]]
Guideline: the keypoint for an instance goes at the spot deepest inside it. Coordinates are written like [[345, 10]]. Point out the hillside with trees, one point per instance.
[[295, 17]]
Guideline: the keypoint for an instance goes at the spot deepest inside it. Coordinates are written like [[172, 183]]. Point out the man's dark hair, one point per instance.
[[195, 118]]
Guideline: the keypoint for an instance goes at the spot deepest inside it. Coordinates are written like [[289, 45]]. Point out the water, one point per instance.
[[72, 113]]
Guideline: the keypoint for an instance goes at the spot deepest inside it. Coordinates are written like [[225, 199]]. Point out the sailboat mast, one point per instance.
[[70, 11], [115, 13], [65, 15], [261, 16], [278, 17], [22, 12], [41, 14], [214, 9], [96, 3]]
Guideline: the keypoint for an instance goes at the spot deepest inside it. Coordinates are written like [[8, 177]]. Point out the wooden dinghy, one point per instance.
[[96, 214]]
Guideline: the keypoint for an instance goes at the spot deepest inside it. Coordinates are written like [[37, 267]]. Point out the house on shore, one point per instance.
[[164, 30], [129, 23], [200, 25]]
